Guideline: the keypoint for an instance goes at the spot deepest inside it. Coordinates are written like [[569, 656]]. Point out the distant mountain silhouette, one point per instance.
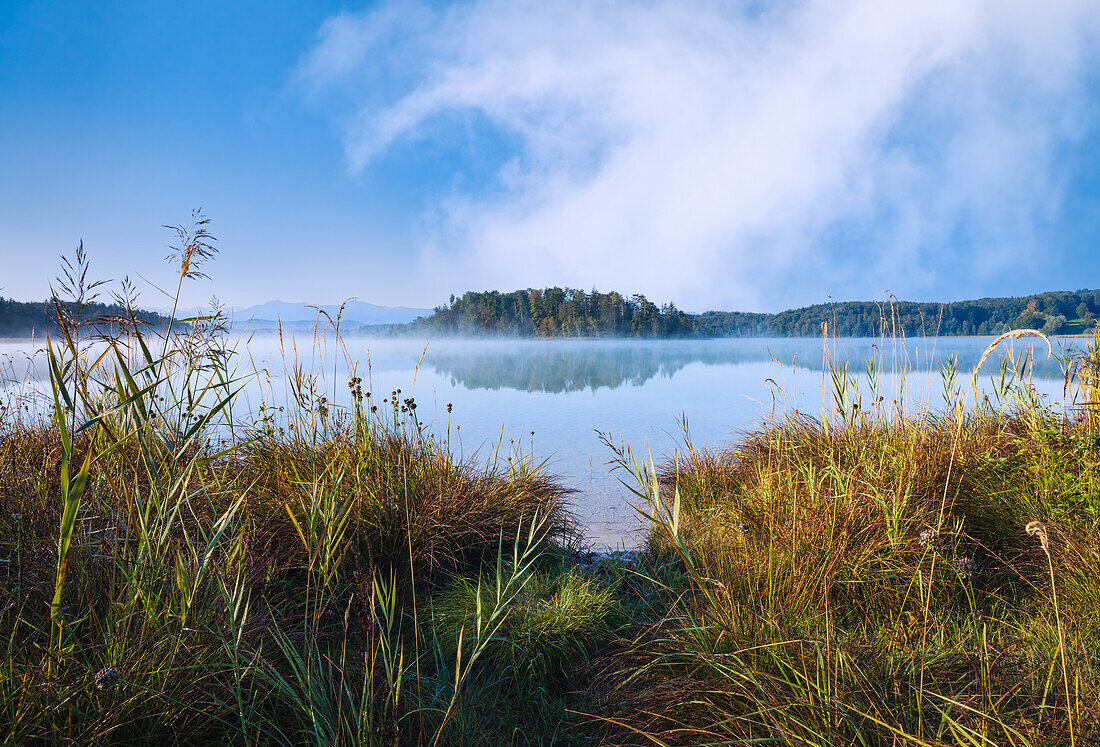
[[356, 313]]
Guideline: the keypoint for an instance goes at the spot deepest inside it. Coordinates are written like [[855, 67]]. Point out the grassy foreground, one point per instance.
[[895, 580], [324, 576]]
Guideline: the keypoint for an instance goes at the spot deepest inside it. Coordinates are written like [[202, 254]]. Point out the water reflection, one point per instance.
[[559, 367], [552, 396]]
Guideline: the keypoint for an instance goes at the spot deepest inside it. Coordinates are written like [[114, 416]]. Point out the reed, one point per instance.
[[217, 580], [863, 579], [174, 569]]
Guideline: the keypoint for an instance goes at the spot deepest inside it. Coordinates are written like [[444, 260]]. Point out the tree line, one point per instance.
[[555, 312], [26, 318], [569, 312]]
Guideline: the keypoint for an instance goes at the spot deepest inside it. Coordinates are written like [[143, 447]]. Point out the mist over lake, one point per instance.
[[552, 398], [550, 373]]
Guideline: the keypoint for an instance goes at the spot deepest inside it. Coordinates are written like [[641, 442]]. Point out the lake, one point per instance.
[[552, 397]]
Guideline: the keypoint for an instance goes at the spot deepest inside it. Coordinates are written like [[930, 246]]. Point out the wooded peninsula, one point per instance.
[[568, 312]]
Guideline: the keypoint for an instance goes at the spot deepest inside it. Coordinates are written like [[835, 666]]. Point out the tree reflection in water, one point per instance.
[[570, 366]]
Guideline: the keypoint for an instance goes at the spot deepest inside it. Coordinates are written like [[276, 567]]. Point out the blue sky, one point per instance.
[[718, 155]]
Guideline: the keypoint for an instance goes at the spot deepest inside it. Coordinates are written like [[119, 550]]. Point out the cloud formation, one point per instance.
[[751, 155]]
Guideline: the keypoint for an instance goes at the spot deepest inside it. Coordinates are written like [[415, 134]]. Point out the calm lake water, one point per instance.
[[553, 397]]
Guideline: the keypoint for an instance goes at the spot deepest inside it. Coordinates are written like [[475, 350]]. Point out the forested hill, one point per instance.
[[24, 318], [566, 312]]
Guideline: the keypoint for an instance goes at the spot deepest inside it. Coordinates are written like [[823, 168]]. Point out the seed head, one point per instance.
[[194, 245], [1039, 529], [106, 678], [967, 567], [932, 539]]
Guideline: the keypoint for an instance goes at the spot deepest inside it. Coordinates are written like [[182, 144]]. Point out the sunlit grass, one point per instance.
[[171, 569], [878, 580]]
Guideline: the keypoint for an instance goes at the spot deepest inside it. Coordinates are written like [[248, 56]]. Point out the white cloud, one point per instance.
[[707, 151]]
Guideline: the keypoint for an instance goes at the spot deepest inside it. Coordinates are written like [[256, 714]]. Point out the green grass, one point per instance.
[[872, 581], [172, 572]]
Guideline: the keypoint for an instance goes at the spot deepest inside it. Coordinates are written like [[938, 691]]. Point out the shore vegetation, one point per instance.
[[175, 570]]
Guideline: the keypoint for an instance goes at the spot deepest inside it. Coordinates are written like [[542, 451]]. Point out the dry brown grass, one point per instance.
[[827, 596]]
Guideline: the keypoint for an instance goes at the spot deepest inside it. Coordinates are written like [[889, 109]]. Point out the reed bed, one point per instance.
[[170, 571], [874, 578]]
